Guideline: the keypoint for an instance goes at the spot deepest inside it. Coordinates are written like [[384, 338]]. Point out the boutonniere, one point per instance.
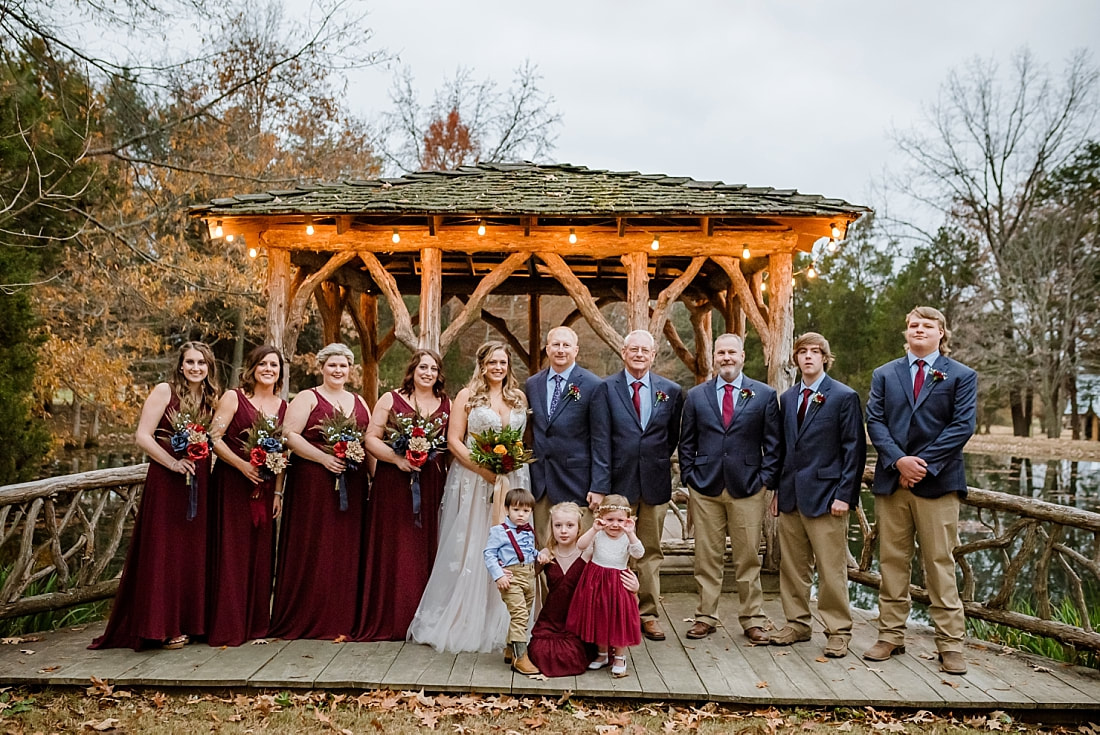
[[938, 375], [818, 398], [661, 396], [574, 393], [747, 393]]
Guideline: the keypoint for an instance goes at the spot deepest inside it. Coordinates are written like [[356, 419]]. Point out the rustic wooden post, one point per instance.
[[330, 304], [431, 297], [780, 321], [704, 343], [366, 324], [534, 334], [278, 299], [734, 315], [637, 289]]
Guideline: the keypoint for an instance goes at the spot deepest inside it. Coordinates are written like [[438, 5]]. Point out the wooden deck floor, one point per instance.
[[721, 668]]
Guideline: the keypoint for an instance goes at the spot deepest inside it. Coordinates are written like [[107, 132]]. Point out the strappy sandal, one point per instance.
[[174, 644], [618, 668], [599, 662]]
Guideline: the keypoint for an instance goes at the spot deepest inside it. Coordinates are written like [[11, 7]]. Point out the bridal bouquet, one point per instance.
[[345, 441], [419, 440], [190, 439], [500, 452], [266, 449]]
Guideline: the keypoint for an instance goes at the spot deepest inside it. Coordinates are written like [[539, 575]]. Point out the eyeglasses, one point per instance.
[[638, 350]]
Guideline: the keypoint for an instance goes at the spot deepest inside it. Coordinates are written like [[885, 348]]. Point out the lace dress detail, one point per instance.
[[461, 609]]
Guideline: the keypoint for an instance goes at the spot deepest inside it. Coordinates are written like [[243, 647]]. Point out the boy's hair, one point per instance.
[[520, 497], [612, 503], [927, 312], [813, 339]]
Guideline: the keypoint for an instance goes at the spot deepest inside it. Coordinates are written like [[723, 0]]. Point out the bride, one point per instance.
[[461, 609]]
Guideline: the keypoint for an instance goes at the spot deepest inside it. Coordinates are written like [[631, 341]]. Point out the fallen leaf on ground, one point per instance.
[[26, 651], [340, 639], [427, 719], [535, 722], [48, 669], [761, 685], [102, 726], [821, 660], [951, 684], [260, 642], [1040, 669]]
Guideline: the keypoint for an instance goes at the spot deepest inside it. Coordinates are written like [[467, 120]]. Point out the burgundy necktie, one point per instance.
[[802, 408], [918, 381], [727, 406], [637, 386]]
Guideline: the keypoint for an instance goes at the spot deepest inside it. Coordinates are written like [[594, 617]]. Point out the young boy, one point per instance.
[[510, 558]]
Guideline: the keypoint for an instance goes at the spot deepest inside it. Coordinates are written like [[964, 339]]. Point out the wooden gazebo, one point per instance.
[[529, 230]]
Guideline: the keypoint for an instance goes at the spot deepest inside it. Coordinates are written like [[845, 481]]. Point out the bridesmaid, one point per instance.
[[317, 571], [243, 506], [161, 598], [400, 544]]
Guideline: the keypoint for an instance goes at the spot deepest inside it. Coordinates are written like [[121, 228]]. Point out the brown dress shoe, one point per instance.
[[700, 630], [523, 665], [756, 634], [788, 635], [836, 647], [651, 629], [882, 651], [952, 662]]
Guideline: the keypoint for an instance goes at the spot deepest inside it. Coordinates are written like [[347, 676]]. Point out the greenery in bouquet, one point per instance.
[[500, 451], [266, 446], [343, 439]]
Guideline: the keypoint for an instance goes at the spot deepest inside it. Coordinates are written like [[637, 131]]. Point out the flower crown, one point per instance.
[[608, 508]]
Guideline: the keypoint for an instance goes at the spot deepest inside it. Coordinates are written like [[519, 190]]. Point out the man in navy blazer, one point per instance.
[[730, 451], [920, 414], [559, 398], [825, 450], [635, 426]]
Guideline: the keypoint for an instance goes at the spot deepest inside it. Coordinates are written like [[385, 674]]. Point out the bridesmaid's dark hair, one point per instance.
[[408, 384], [248, 375], [210, 389]]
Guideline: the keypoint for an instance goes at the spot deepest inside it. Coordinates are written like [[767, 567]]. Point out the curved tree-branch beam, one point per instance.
[[582, 297], [671, 293], [501, 325], [472, 308], [296, 316], [686, 356], [402, 322], [732, 267]]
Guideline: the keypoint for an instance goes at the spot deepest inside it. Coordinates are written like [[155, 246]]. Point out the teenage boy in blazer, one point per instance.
[[635, 427], [920, 414], [730, 452], [825, 450]]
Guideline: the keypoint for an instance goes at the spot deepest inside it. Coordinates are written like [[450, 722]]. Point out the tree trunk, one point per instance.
[[237, 362], [1021, 411], [78, 415]]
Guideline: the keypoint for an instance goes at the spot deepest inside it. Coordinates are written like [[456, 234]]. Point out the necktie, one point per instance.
[[637, 386], [802, 408], [558, 380], [918, 380], [727, 406]]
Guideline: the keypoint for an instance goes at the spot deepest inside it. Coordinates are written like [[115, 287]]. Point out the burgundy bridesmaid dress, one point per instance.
[[553, 648]]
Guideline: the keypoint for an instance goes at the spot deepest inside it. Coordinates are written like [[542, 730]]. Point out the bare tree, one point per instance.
[[981, 157]]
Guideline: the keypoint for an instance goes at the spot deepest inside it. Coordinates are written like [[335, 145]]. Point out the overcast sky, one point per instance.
[[786, 94]]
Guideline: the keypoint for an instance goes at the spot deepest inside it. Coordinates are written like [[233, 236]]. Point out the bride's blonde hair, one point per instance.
[[479, 386]]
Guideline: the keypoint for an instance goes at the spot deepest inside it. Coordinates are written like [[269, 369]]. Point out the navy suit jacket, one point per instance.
[[742, 458], [626, 460], [824, 459], [562, 441], [934, 427]]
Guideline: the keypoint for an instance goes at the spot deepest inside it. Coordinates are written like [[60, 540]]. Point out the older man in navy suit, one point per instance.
[[635, 426], [560, 397], [825, 449], [730, 451], [920, 414]]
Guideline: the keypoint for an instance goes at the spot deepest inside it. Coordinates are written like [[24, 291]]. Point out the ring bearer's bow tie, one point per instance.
[[525, 527]]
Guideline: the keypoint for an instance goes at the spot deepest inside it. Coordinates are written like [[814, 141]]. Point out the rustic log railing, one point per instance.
[[68, 528]]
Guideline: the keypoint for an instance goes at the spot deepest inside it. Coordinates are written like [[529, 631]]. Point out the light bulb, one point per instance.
[[811, 272], [396, 237], [481, 229], [836, 231], [832, 246], [229, 238], [572, 236], [309, 229], [253, 252], [218, 229], [745, 254], [763, 287], [656, 244]]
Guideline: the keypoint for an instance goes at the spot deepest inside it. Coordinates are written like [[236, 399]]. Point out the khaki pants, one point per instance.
[[518, 599], [649, 523], [542, 520], [741, 519], [935, 522], [805, 543]]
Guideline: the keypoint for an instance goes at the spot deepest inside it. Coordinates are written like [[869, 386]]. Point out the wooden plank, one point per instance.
[[168, 668], [462, 671], [298, 664], [410, 664], [435, 675], [490, 674], [1004, 674], [908, 685], [360, 665], [234, 666], [648, 671], [701, 654], [62, 657]]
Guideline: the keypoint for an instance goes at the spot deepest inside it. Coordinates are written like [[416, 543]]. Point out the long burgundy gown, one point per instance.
[[398, 556], [162, 593], [553, 648], [317, 570], [242, 549]]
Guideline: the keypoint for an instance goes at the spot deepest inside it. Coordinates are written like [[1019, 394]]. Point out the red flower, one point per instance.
[[416, 459], [418, 431], [198, 451], [197, 428], [257, 456], [507, 463], [340, 449]]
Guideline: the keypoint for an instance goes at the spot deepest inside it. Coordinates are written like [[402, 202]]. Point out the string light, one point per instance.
[[309, 225], [229, 238], [811, 272], [835, 231], [218, 229], [572, 236], [745, 254], [832, 246], [481, 228], [656, 244], [396, 237], [253, 252]]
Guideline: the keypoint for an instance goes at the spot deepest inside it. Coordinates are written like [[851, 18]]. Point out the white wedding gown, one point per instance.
[[461, 609]]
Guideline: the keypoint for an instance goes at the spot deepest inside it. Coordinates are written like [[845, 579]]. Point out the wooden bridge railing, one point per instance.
[[58, 538]]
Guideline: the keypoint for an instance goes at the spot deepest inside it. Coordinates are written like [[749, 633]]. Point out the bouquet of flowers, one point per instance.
[[190, 439], [266, 449], [345, 440], [500, 452], [420, 440]]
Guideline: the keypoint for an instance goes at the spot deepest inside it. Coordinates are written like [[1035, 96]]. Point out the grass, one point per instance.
[[1066, 613], [53, 619], [104, 709]]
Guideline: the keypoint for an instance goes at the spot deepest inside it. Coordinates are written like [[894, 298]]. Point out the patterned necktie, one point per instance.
[[558, 380], [727, 406], [918, 380], [802, 408], [637, 386]]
